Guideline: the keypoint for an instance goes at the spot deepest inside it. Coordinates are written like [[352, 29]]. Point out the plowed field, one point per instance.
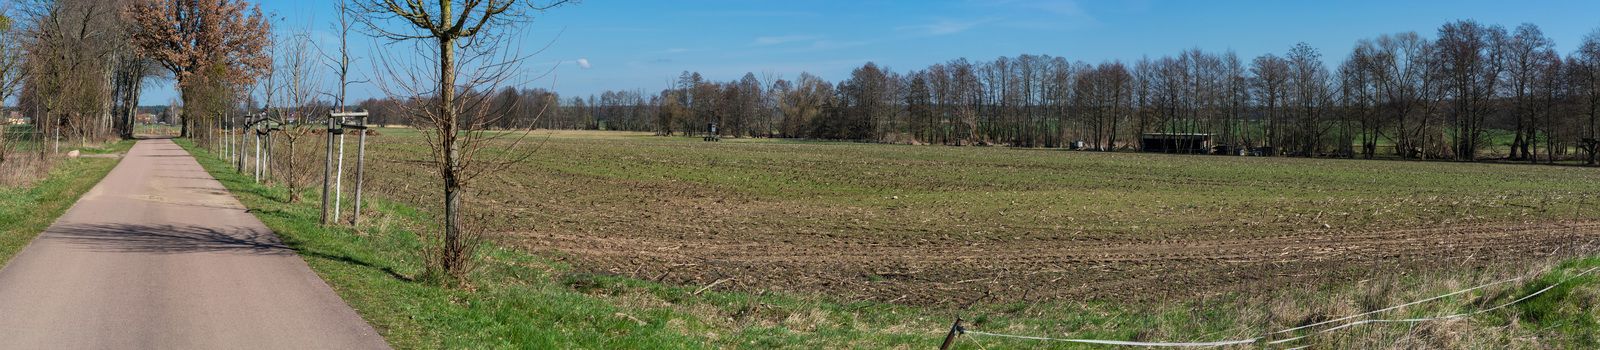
[[954, 225]]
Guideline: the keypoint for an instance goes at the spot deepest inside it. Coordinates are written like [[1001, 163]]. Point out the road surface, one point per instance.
[[160, 256]]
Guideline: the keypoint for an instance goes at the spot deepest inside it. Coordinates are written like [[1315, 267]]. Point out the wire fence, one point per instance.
[[1277, 338]]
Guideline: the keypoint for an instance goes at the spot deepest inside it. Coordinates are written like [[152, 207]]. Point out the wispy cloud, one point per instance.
[[1069, 13], [581, 63], [946, 26], [740, 13], [804, 43], [782, 39], [1056, 7], [835, 44]]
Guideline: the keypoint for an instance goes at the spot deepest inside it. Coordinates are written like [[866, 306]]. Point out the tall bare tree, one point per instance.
[[1583, 70], [299, 82], [455, 120], [1270, 87], [1309, 96], [11, 78], [1526, 54], [1470, 57], [68, 44]]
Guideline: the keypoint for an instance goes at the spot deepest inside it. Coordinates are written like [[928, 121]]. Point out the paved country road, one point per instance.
[[160, 256]]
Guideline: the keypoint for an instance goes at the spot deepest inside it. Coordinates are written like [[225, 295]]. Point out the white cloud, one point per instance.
[[583, 63]]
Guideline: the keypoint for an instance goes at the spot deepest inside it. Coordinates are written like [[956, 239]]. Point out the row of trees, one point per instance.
[[1472, 87], [72, 69], [540, 108], [77, 67]]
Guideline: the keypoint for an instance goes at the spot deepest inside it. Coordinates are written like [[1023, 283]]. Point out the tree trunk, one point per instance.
[[454, 247], [184, 114]]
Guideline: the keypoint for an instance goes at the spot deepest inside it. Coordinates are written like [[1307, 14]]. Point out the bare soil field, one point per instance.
[[1001, 269], [927, 225]]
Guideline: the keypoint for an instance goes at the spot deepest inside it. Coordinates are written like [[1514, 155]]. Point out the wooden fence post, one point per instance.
[[327, 171]]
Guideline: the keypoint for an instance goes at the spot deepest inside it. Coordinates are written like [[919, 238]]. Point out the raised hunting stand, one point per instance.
[[711, 133], [1591, 145]]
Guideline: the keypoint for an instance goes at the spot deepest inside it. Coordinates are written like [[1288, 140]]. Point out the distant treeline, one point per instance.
[[1471, 87]]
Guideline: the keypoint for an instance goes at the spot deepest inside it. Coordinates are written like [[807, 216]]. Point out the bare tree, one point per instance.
[[1309, 96], [68, 44], [1526, 54], [455, 119], [1470, 57], [11, 60], [11, 78], [1270, 85], [1583, 70], [1399, 70], [299, 85], [1359, 85]]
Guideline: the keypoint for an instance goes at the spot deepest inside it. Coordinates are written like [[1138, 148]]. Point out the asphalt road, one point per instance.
[[160, 256]]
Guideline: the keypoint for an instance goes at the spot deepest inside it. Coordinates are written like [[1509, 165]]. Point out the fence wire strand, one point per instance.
[[1120, 342], [1323, 331], [1464, 314]]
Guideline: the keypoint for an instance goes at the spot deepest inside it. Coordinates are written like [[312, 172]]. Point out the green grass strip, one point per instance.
[[27, 211]]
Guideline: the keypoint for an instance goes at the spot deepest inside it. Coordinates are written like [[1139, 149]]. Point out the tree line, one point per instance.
[[72, 70], [1470, 88]]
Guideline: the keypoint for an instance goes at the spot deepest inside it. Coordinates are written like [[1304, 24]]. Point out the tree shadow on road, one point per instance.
[[181, 239], [167, 239]]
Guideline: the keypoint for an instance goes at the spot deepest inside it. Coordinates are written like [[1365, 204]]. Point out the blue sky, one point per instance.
[[645, 44]]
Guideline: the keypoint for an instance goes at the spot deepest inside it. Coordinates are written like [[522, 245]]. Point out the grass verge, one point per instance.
[[516, 302], [27, 211], [523, 300]]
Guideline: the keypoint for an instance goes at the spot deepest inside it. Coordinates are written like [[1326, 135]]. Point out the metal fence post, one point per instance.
[[950, 338]]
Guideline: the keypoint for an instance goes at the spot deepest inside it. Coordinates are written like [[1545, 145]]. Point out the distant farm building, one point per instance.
[[15, 118], [1176, 143]]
